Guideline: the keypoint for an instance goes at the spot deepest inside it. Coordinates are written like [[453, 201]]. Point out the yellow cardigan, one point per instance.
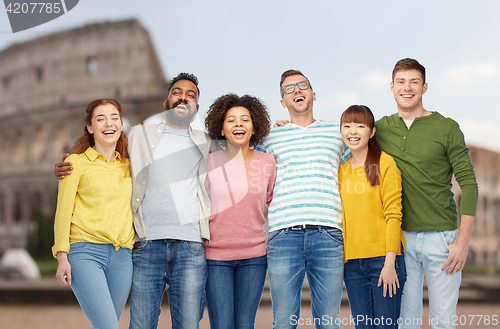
[[93, 204], [371, 214]]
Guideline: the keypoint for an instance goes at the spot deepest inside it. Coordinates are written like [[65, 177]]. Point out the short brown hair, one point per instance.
[[289, 73], [409, 64]]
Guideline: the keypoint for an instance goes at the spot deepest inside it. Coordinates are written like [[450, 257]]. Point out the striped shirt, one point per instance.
[[306, 189]]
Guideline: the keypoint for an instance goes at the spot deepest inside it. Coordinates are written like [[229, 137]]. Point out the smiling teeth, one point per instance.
[[108, 132], [300, 98]]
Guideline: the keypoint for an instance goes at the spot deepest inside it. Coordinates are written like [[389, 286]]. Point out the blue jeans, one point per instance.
[[290, 255], [101, 279], [426, 252], [234, 289], [181, 265], [369, 308]]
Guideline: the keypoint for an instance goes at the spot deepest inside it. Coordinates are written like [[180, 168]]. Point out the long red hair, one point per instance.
[[362, 114], [87, 139]]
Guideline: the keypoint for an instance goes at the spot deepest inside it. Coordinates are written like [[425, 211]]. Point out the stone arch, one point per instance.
[[19, 151], [38, 144], [60, 141]]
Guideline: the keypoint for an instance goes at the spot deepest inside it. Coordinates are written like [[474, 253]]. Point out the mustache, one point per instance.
[[179, 102]]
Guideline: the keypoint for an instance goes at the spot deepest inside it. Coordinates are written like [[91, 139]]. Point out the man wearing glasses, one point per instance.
[[305, 216]]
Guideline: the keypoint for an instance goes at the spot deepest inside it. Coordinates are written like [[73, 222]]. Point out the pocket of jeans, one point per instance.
[[335, 234], [140, 245], [195, 247], [274, 235], [448, 237], [78, 246]]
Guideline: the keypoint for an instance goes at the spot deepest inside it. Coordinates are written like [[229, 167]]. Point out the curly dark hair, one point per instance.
[[216, 114]]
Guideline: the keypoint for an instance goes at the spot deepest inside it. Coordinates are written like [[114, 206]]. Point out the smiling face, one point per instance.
[[299, 102], [356, 135], [181, 104], [238, 127], [408, 88], [106, 125]]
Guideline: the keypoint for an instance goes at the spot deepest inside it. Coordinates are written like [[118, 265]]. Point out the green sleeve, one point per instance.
[[459, 158]]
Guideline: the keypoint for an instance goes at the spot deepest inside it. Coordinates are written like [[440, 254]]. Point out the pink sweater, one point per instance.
[[239, 191]]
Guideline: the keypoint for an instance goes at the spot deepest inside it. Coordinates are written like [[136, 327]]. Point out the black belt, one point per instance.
[[309, 226]]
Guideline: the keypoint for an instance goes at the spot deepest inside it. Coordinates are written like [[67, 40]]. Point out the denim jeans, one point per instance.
[[181, 265], [426, 252], [290, 255], [101, 279], [369, 308], [234, 289]]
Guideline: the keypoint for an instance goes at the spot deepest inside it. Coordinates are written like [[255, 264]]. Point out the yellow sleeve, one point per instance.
[[390, 187], [66, 196]]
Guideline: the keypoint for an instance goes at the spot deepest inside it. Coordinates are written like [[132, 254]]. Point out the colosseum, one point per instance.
[[46, 83], [45, 86]]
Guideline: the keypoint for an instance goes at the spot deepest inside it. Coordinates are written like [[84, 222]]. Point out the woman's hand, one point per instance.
[[63, 274], [388, 276]]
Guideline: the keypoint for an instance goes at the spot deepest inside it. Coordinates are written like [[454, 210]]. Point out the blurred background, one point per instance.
[[129, 50]]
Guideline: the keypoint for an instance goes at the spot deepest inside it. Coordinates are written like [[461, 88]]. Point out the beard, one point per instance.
[[180, 120]]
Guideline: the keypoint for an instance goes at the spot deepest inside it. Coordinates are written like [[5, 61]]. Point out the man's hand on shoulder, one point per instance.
[[61, 169], [280, 123]]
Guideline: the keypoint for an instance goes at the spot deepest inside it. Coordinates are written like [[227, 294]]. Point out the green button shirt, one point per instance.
[[428, 154]]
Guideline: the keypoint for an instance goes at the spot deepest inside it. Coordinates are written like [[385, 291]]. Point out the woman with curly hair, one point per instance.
[[240, 184], [94, 234]]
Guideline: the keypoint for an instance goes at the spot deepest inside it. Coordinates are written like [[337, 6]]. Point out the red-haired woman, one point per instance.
[[370, 189], [94, 233]]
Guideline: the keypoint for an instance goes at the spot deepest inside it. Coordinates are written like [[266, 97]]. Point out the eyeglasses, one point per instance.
[[288, 89]]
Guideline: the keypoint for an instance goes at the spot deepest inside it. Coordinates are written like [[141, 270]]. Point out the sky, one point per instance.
[[347, 49]]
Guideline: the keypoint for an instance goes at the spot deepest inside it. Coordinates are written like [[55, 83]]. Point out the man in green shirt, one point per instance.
[[428, 149]]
